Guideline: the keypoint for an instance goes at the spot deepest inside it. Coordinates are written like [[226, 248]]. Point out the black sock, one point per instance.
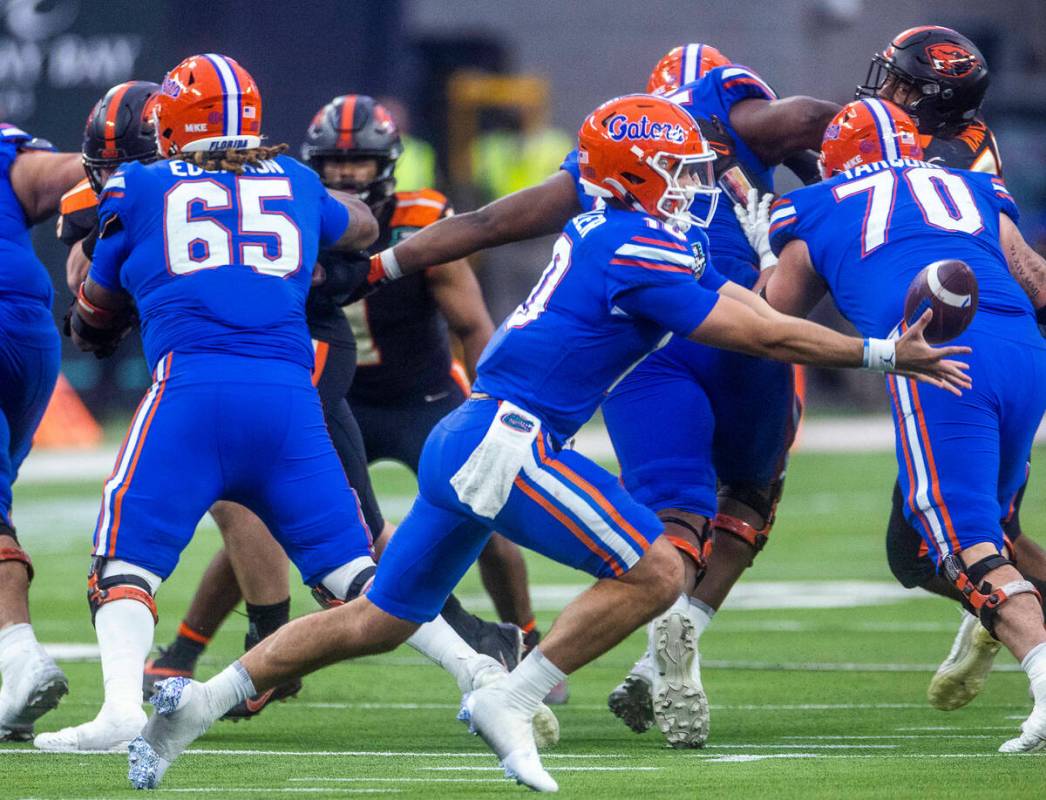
[[464, 624], [264, 620]]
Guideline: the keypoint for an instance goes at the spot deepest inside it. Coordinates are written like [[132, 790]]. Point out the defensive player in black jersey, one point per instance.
[[254, 566], [406, 378], [940, 78]]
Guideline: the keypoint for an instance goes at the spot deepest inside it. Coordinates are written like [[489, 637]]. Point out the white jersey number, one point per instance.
[[194, 241], [943, 197], [532, 308]]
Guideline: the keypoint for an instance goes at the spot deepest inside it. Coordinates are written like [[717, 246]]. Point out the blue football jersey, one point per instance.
[[617, 283], [22, 276], [714, 95], [871, 229], [217, 262]]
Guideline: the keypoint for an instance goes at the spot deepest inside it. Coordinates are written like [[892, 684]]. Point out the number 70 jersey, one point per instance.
[[217, 262], [871, 229]]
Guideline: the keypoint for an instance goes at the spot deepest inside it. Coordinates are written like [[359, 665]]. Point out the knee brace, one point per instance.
[[980, 597], [762, 502], [15, 553], [345, 583], [127, 586], [698, 553]]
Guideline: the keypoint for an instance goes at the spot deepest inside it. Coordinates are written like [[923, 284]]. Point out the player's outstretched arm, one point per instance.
[[775, 129], [536, 211], [743, 321], [363, 228], [457, 293], [39, 180], [1026, 266]]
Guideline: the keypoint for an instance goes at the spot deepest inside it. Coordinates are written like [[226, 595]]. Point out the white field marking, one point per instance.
[[894, 736], [802, 746], [283, 790], [832, 666], [564, 768], [740, 758], [72, 651], [5, 751], [384, 779], [881, 756], [933, 728]]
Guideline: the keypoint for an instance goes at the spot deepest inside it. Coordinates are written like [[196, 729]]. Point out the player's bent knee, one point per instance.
[[112, 580], [13, 552], [979, 596], [660, 572]]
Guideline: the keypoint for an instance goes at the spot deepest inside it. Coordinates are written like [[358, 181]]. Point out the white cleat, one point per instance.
[[1033, 734], [509, 733], [37, 687], [183, 714], [546, 726], [680, 705], [632, 700], [961, 676], [109, 731]]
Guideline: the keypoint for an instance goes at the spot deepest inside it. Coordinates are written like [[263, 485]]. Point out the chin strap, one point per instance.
[[979, 596]]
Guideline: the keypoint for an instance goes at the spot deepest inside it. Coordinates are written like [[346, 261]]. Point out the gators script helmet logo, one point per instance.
[[951, 60]]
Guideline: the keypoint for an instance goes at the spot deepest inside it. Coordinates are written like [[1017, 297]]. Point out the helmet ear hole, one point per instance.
[[632, 178]]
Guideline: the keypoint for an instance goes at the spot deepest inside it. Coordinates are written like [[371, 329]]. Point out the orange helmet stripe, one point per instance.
[[348, 113], [112, 114]]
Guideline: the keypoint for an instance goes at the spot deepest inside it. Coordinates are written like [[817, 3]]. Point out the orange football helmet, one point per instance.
[[648, 153], [208, 102], [684, 64], [866, 131]]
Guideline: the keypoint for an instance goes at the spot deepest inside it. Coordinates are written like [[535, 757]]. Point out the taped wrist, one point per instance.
[[385, 267], [979, 596], [880, 355]]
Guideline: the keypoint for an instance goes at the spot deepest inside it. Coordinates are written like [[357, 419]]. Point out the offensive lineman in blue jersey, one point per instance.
[[215, 245], [620, 279], [725, 417], [32, 181], [862, 235]]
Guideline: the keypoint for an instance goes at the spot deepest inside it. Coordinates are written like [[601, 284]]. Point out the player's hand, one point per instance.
[[755, 222], [319, 274], [920, 361]]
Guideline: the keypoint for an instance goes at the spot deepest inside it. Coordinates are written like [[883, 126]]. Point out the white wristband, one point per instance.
[[880, 355], [389, 264], [767, 260]]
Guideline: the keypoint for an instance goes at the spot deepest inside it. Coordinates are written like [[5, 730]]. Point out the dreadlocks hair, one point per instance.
[[232, 160]]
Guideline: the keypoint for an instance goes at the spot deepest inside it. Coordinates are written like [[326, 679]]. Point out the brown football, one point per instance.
[[949, 287]]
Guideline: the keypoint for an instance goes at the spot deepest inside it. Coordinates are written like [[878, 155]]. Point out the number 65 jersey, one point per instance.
[[871, 229], [217, 262]]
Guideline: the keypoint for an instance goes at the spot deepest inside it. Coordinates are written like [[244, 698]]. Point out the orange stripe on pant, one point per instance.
[[891, 382], [935, 482], [320, 361], [568, 523], [118, 500], [591, 491], [460, 377]]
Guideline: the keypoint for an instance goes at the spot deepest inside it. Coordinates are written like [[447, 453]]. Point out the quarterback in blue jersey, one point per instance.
[[709, 398], [620, 280], [880, 216], [32, 181], [215, 246]]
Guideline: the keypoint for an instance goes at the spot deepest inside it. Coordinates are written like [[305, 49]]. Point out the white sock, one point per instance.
[[532, 680], [1034, 663], [700, 614], [15, 642], [440, 643], [125, 637], [230, 686]]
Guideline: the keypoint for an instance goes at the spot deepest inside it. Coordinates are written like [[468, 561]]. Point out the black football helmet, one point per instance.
[[946, 71], [118, 130], [355, 126]]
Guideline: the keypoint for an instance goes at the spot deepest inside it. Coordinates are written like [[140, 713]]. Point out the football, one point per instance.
[[949, 287]]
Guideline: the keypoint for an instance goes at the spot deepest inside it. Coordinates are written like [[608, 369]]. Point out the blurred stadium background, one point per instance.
[[491, 93]]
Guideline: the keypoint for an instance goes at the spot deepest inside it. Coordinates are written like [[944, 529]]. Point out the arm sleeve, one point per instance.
[[737, 83], [784, 224], [334, 219], [113, 243], [1005, 200]]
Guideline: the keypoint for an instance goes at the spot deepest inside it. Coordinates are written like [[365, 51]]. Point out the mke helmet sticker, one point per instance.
[[951, 60]]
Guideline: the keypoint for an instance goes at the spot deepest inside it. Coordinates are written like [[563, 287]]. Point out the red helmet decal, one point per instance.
[[951, 60]]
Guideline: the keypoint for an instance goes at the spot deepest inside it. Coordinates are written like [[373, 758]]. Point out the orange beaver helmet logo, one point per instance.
[[951, 60]]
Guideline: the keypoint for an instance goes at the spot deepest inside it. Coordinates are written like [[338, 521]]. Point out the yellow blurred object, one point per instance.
[[416, 168], [67, 422]]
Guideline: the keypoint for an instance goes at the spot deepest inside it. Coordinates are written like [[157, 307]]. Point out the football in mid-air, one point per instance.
[[949, 287]]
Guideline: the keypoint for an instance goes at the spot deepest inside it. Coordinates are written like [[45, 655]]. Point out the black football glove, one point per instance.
[[347, 276]]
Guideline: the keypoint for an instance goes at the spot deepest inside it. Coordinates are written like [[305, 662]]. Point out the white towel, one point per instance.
[[485, 480]]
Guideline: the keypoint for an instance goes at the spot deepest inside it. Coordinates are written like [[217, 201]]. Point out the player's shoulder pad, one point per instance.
[[78, 198], [419, 208], [641, 242], [740, 81]]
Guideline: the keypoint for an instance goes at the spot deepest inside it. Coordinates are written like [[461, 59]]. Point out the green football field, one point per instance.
[[816, 674]]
